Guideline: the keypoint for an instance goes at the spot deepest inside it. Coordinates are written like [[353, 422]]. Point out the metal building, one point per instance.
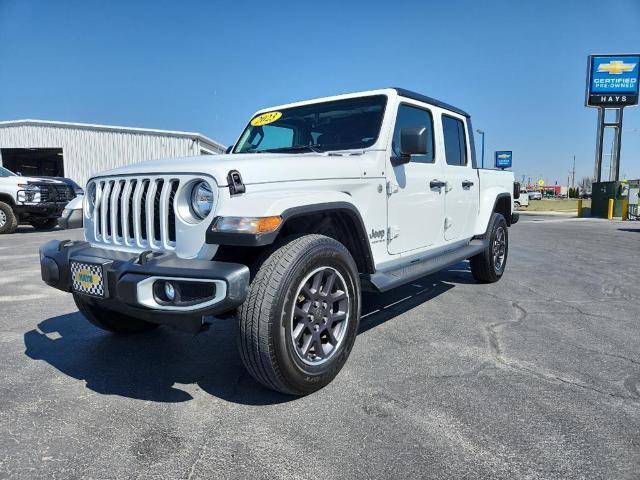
[[78, 150]]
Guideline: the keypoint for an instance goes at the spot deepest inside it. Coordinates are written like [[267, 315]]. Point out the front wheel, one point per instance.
[[300, 319], [488, 266], [8, 220]]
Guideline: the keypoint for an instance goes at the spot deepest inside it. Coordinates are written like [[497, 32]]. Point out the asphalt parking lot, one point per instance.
[[537, 376]]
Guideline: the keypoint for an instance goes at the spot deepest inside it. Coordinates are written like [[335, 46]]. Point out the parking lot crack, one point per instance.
[[493, 329], [203, 450]]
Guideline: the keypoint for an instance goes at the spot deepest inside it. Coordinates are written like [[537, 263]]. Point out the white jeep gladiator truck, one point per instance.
[[316, 201], [37, 201]]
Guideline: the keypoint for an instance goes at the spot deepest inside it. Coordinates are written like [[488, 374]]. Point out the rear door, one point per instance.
[[414, 209], [462, 189]]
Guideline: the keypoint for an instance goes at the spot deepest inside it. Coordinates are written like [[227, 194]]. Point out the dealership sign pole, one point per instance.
[[612, 84]]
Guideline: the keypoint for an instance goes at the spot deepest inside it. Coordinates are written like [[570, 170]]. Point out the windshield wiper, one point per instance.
[[296, 148]]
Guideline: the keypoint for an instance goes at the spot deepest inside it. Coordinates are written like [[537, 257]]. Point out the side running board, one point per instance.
[[383, 281]]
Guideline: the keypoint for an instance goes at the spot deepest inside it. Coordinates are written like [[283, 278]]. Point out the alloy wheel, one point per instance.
[[499, 248], [320, 315]]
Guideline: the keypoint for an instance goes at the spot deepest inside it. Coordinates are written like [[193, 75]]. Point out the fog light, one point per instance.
[[169, 291]]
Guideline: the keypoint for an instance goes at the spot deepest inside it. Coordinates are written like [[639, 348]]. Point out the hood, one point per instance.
[[254, 167], [17, 180]]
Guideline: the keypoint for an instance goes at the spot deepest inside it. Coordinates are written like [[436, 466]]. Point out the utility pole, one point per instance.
[[481, 132], [573, 172]]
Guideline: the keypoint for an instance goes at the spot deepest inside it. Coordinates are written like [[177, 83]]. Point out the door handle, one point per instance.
[[467, 184], [437, 184]]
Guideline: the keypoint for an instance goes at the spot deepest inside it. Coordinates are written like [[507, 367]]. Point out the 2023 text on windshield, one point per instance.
[[338, 125]]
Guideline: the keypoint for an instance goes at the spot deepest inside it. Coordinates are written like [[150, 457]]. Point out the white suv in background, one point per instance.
[[522, 200], [37, 201]]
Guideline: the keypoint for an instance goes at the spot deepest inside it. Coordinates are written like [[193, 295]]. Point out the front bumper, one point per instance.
[[126, 276], [40, 210]]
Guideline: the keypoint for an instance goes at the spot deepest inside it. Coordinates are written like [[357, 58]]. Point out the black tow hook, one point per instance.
[[64, 244], [144, 257]]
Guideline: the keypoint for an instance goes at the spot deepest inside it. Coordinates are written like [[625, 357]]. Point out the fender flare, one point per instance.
[[262, 239], [499, 197]]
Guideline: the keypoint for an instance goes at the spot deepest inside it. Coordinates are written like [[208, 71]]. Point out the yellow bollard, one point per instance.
[[580, 208], [610, 212], [625, 208]]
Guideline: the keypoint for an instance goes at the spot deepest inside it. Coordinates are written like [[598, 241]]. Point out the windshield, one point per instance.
[[337, 125], [6, 173]]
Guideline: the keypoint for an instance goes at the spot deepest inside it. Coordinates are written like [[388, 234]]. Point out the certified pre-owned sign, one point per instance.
[[612, 80]]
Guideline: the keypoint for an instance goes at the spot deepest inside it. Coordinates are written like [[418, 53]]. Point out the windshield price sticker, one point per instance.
[[266, 118]]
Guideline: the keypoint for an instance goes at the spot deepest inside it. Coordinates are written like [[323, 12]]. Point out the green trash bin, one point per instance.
[[601, 193]]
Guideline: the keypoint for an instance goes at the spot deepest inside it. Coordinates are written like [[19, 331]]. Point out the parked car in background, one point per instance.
[[36, 201], [522, 200], [535, 195], [72, 214]]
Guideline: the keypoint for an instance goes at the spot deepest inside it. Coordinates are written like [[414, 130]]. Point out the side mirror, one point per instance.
[[229, 148], [413, 141]]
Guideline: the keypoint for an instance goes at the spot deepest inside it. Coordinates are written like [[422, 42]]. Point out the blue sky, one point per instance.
[[517, 67]]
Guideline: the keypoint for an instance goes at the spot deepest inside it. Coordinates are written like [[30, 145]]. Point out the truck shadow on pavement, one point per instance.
[[170, 366]]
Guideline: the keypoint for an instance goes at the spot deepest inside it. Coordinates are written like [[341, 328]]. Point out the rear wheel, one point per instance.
[[300, 319], [488, 266], [44, 223], [8, 220], [111, 321]]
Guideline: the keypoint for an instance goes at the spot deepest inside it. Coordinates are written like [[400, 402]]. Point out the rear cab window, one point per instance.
[[455, 141]]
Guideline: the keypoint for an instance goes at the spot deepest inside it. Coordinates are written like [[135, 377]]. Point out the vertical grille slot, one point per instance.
[[171, 214], [108, 211], [119, 216], [96, 213], [130, 222], [143, 210], [156, 211]]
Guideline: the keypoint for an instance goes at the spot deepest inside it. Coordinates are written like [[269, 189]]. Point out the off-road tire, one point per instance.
[[111, 321], [10, 221], [265, 319], [44, 223], [483, 265]]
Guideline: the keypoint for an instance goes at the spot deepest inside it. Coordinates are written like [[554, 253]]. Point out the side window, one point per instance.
[[413, 117], [455, 143]]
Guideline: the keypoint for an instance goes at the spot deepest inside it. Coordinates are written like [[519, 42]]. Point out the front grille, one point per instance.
[[56, 193], [136, 212]]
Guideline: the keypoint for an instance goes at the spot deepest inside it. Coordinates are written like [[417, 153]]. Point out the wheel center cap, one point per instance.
[[318, 315]]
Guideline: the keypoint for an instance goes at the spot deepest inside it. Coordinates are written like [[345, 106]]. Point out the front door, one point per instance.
[[415, 209], [462, 198]]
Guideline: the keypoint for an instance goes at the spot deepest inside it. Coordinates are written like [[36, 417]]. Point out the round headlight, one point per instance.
[[201, 199]]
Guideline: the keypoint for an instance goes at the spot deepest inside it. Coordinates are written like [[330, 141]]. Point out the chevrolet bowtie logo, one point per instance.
[[616, 67], [504, 155]]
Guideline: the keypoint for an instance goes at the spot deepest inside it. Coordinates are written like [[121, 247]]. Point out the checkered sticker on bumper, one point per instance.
[[87, 279]]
